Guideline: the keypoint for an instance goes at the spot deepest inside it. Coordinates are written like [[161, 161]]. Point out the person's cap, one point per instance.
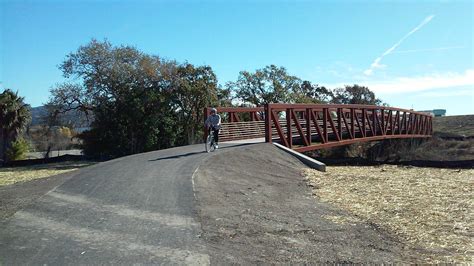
[[213, 110]]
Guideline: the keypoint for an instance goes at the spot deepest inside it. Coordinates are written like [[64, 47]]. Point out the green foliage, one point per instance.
[[14, 117], [18, 150], [138, 102], [355, 94], [271, 84], [311, 93], [224, 97], [196, 89]]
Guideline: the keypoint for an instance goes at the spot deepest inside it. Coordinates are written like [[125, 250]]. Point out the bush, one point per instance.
[[18, 150]]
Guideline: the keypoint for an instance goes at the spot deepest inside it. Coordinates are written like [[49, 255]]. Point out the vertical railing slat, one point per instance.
[[288, 128]]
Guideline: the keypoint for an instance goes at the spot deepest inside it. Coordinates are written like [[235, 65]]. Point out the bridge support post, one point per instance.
[[325, 124], [308, 125], [353, 123], [288, 128], [268, 125]]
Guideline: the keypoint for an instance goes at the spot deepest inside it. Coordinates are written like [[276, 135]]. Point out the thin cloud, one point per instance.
[[429, 49], [448, 93], [423, 83], [398, 85], [376, 64]]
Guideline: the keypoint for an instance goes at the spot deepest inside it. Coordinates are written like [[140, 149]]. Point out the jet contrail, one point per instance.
[[429, 49], [376, 63]]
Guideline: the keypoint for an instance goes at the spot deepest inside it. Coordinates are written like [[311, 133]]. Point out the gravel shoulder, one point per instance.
[[255, 206]]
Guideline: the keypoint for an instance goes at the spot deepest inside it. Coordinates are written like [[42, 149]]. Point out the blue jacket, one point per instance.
[[213, 121]]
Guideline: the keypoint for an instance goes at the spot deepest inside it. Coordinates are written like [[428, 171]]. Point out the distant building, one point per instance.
[[435, 112]]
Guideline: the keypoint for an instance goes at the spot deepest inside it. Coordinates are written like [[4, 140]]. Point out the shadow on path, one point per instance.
[[198, 152], [177, 156]]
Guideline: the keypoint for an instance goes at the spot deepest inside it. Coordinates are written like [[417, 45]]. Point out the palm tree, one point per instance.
[[14, 117]]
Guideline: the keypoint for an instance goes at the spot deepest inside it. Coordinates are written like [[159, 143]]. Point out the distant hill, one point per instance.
[[37, 115], [75, 118]]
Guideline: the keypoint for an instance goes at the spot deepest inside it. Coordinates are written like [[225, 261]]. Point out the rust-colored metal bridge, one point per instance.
[[305, 127]]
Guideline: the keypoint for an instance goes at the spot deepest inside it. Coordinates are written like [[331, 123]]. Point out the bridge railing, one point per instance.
[[240, 122], [314, 126], [306, 127]]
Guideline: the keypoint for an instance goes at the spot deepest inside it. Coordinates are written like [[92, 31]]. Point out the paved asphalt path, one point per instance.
[[135, 209]]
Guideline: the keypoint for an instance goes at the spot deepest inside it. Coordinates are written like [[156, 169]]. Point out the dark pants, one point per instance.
[[215, 132]]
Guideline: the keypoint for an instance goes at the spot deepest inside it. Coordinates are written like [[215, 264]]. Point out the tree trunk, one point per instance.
[[191, 135], [4, 146], [46, 155], [2, 149]]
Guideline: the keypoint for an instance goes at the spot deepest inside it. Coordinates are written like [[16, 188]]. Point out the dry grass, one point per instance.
[[14, 175], [425, 207]]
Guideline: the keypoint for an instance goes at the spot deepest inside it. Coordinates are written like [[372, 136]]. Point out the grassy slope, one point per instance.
[[443, 149], [461, 125]]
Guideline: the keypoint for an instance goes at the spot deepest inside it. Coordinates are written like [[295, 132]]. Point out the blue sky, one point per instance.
[[413, 54]]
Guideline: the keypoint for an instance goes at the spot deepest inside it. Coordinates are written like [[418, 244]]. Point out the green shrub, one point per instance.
[[18, 150]]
